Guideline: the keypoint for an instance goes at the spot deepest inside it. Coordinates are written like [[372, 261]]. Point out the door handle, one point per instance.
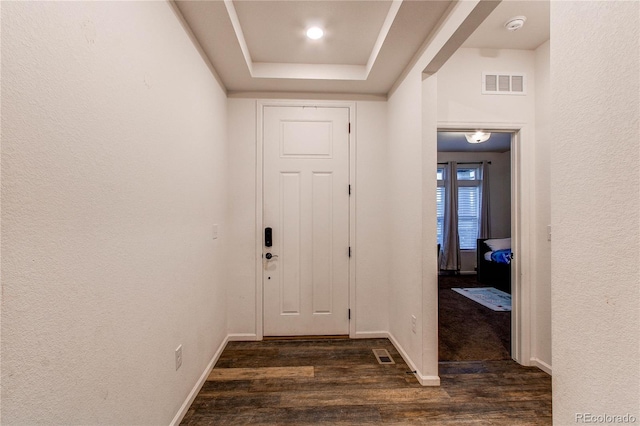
[[270, 256]]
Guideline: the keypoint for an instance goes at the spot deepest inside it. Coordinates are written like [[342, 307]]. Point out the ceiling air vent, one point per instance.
[[499, 83]]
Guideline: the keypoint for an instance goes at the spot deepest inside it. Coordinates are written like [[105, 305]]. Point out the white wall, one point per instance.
[[595, 194], [241, 290], [113, 173], [405, 201], [372, 218], [460, 100], [430, 266], [542, 215], [370, 189], [500, 195]]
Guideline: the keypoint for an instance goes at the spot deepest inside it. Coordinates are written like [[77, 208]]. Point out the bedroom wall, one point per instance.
[[500, 190], [460, 101], [370, 187], [595, 194], [113, 174]]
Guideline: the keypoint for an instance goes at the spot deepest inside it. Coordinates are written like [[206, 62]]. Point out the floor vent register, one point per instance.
[[383, 356]]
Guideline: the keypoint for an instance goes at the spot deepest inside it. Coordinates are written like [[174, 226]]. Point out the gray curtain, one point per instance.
[[450, 260], [484, 230]]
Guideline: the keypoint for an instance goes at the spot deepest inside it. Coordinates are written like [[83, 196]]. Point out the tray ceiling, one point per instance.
[[260, 45]]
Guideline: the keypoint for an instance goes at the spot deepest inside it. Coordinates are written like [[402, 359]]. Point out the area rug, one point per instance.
[[490, 297]]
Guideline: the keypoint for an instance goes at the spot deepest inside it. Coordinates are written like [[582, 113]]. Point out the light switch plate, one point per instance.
[[215, 232]]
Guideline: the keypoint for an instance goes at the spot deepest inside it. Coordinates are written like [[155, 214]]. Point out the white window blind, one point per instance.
[[468, 213], [468, 206], [440, 212]]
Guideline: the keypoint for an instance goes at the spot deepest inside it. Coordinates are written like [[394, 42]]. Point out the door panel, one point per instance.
[[321, 236], [289, 226], [306, 202]]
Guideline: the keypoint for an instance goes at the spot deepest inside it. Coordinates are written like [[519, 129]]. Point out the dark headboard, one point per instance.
[[481, 249]]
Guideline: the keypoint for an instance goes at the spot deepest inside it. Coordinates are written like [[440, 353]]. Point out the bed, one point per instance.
[[494, 263]]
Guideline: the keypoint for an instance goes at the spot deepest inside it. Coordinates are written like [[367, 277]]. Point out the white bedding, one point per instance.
[[496, 244]]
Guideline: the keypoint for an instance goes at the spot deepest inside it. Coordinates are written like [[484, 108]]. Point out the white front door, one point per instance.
[[306, 205]]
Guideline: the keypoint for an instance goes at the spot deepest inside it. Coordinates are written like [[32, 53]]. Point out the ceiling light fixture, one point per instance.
[[477, 137], [315, 33], [515, 23]]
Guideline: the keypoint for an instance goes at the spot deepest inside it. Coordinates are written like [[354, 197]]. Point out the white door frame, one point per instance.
[[260, 105], [521, 236]]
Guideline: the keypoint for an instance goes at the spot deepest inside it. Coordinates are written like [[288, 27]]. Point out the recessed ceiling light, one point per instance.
[[315, 33], [515, 23]]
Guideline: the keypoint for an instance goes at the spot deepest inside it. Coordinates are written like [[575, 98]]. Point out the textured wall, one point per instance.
[[113, 173], [595, 194]]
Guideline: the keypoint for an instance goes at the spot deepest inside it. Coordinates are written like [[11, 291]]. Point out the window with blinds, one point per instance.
[[468, 206], [440, 204], [440, 212]]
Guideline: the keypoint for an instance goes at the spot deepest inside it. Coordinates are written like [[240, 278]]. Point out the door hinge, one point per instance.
[[349, 251], [349, 313], [349, 127], [349, 189]]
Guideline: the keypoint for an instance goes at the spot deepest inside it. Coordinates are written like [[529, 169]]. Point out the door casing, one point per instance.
[[260, 105], [521, 235]]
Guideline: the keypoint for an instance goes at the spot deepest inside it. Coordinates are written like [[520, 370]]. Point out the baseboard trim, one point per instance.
[[194, 392], [428, 380], [541, 365], [242, 337], [422, 379], [371, 335]]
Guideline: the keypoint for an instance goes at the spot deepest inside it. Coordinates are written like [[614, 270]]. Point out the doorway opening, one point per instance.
[[474, 230]]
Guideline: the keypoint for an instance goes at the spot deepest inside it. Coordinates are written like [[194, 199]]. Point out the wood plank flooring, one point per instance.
[[339, 382]]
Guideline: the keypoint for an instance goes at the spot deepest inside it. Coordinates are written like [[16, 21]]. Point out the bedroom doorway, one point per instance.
[[474, 207]]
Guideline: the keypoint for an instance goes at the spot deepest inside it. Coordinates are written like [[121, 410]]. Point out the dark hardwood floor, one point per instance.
[[340, 382]]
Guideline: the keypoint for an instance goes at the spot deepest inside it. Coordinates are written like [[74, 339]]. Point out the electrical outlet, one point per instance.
[[413, 323], [178, 357], [215, 232]]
